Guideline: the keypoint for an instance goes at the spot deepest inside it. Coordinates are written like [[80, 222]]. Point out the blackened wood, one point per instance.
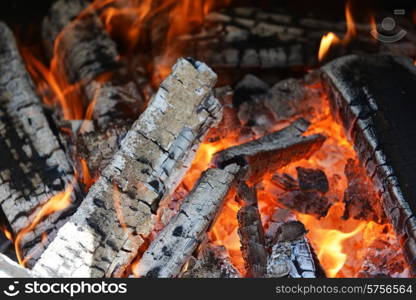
[[275, 150], [104, 235], [251, 232], [361, 89], [312, 179], [33, 166], [178, 240]]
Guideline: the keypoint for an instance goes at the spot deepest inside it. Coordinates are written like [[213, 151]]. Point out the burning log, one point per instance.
[[275, 150], [105, 233], [10, 269], [178, 240], [212, 262], [83, 53], [33, 167], [251, 233], [361, 90]]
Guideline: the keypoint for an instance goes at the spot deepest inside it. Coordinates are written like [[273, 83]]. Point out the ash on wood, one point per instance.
[[33, 166], [10, 269], [212, 262], [105, 233], [361, 90], [250, 230], [178, 240], [275, 150]]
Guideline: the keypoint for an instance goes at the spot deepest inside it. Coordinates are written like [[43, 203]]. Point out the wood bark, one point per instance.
[[178, 240], [275, 150], [251, 232], [360, 89], [105, 233], [33, 167]]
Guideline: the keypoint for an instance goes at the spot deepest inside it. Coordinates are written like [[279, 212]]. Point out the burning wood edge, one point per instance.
[[250, 230], [85, 51], [33, 167], [105, 233], [361, 90], [10, 269], [175, 244], [275, 150]]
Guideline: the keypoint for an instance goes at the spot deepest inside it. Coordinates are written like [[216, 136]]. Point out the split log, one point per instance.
[[178, 240], [83, 53], [273, 151], [250, 230], [212, 262], [33, 167], [10, 269], [104, 235], [360, 89]]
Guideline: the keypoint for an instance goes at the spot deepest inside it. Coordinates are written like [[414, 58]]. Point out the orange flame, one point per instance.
[[57, 203], [331, 38]]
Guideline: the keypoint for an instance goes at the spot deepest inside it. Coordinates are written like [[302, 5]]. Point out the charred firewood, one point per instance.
[[105, 233], [178, 240], [62, 12], [33, 166], [361, 201], [275, 150], [10, 269], [312, 179], [83, 53], [361, 90], [250, 230], [212, 262]]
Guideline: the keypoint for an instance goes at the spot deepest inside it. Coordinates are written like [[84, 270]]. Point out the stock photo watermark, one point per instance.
[[389, 24]]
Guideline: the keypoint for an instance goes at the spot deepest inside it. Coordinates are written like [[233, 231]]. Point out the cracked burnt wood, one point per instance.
[[104, 235], [33, 166], [249, 37], [251, 232], [10, 269], [175, 244], [86, 56], [373, 97], [273, 151]]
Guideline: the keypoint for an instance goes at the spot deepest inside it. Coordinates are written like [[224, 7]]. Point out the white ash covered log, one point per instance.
[[105, 233], [89, 54], [175, 244], [275, 150], [10, 269], [251, 232], [361, 89], [33, 166]]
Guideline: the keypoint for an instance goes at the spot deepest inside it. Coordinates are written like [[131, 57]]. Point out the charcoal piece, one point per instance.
[[306, 202], [285, 181], [248, 89], [312, 179], [360, 198], [290, 231]]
